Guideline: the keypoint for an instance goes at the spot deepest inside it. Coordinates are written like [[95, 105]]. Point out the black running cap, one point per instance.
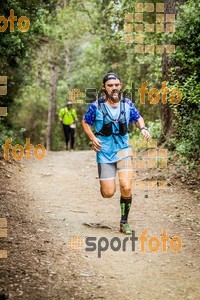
[[109, 76]]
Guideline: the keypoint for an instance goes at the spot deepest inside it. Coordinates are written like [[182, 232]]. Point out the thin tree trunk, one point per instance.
[[67, 61], [166, 111], [39, 63], [52, 106], [167, 116], [64, 4]]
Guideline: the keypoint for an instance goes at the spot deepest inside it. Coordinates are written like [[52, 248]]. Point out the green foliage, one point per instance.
[[138, 140], [187, 40], [154, 129], [15, 135], [187, 114], [186, 78], [17, 48], [85, 40], [31, 111]]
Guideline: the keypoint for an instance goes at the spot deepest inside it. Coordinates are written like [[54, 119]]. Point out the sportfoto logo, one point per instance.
[[146, 243], [153, 95], [136, 29], [3, 234], [18, 151], [3, 92], [23, 23]]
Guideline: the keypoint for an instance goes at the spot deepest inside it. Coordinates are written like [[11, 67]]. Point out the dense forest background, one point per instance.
[[70, 45]]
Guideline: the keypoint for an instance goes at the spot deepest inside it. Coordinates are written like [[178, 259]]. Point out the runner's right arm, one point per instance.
[[95, 141]]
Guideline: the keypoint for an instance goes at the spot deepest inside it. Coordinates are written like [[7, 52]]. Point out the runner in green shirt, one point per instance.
[[68, 117]]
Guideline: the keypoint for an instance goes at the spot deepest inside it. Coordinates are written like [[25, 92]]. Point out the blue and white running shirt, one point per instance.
[[110, 145]]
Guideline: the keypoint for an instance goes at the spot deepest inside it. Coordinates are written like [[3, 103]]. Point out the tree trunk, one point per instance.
[[166, 111], [67, 61], [39, 71], [167, 115], [52, 106], [64, 4]]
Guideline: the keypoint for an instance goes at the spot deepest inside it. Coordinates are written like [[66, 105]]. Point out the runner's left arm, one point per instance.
[[144, 131], [139, 121], [75, 115]]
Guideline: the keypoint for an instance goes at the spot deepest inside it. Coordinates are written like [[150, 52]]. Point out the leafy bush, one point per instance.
[[16, 135], [154, 129], [186, 78], [188, 119]]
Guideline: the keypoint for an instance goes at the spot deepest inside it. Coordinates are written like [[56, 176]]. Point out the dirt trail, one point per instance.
[[61, 193]]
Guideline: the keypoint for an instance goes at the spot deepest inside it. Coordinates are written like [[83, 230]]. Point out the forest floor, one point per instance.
[[53, 205]]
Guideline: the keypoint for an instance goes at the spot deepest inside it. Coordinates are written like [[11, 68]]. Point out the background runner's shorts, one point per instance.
[[108, 170]]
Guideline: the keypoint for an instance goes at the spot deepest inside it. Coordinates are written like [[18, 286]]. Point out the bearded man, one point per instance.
[[110, 116]]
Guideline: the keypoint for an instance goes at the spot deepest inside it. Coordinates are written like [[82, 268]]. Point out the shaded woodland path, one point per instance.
[[46, 204]]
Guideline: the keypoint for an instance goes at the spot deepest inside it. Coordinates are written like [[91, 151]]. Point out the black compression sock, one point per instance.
[[125, 204]]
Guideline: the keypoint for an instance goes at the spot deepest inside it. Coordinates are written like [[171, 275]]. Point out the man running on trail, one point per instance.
[[68, 117], [110, 116]]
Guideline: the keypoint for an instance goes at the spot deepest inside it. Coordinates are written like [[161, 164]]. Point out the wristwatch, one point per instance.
[[144, 128]]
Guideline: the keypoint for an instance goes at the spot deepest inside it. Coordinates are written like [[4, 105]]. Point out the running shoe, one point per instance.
[[125, 228]]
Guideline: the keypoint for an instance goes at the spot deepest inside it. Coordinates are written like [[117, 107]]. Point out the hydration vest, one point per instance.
[[107, 128]]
